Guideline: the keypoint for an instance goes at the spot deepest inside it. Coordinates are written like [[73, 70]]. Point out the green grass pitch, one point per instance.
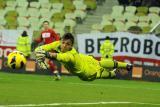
[[42, 90]]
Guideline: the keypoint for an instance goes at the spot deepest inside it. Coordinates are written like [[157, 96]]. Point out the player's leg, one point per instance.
[[54, 69], [107, 63], [106, 74]]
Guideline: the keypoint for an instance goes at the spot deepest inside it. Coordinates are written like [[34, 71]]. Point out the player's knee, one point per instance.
[[107, 75]]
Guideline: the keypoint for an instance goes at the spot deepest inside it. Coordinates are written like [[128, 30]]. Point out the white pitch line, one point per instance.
[[75, 104]]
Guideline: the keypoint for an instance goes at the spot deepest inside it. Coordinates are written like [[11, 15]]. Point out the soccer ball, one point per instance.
[[16, 60]]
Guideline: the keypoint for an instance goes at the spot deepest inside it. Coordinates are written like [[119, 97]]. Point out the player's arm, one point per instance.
[[62, 57], [49, 47], [40, 53]]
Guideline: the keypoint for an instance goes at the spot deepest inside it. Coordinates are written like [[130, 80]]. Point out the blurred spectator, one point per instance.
[[23, 44], [107, 49]]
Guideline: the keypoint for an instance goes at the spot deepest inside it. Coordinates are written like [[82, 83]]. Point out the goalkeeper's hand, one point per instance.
[[40, 58], [42, 64], [40, 54]]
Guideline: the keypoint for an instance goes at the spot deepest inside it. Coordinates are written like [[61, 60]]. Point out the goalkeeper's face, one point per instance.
[[66, 45]]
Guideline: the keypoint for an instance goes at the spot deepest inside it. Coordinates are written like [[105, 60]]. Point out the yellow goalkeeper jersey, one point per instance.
[[84, 66]]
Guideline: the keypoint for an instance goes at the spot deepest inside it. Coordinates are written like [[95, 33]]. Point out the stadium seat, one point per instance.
[[105, 22], [33, 20], [109, 28], [43, 1], [11, 26], [142, 9], [21, 0], [97, 27], [12, 13], [45, 13], [3, 12], [120, 18], [57, 17], [130, 9], [22, 12], [22, 3], [142, 24], [80, 13], [2, 27], [153, 15], [129, 24], [154, 22], [70, 16], [133, 19], [35, 26], [59, 25], [128, 15], [91, 4], [23, 22], [118, 9], [120, 26], [155, 10], [57, 7], [2, 21], [69, 25], [146, 29], [2, 4], [68, 6], [11, 3], [54, 1], [154, 18], [33, 12], [140, 14], [95, 31], [34, 5], [22, 28], [46, 5], [115, 14], [9, 9], [11, 22], [36, 34], [144, 19], [79, 5], [107, 17], [59, 31], [59, 28]]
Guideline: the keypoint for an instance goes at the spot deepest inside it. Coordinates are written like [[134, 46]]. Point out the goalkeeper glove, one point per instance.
[[41, 63], [40, 54]]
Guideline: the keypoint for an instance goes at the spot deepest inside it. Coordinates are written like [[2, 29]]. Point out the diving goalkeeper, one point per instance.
[[85, 67]]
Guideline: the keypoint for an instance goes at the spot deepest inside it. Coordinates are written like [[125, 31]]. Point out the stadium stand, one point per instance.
[[122, 18], [76, 16], [29, 14]]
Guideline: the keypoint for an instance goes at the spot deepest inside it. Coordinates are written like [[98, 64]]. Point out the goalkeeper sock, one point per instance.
[[107, 63]]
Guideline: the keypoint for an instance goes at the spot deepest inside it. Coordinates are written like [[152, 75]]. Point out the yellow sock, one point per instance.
[[108, 63]]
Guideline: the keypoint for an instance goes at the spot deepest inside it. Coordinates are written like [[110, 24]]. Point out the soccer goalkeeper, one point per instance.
[[85, 67]]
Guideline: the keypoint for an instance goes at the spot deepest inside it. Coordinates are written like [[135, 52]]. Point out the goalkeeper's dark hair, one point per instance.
[[68, 36]]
